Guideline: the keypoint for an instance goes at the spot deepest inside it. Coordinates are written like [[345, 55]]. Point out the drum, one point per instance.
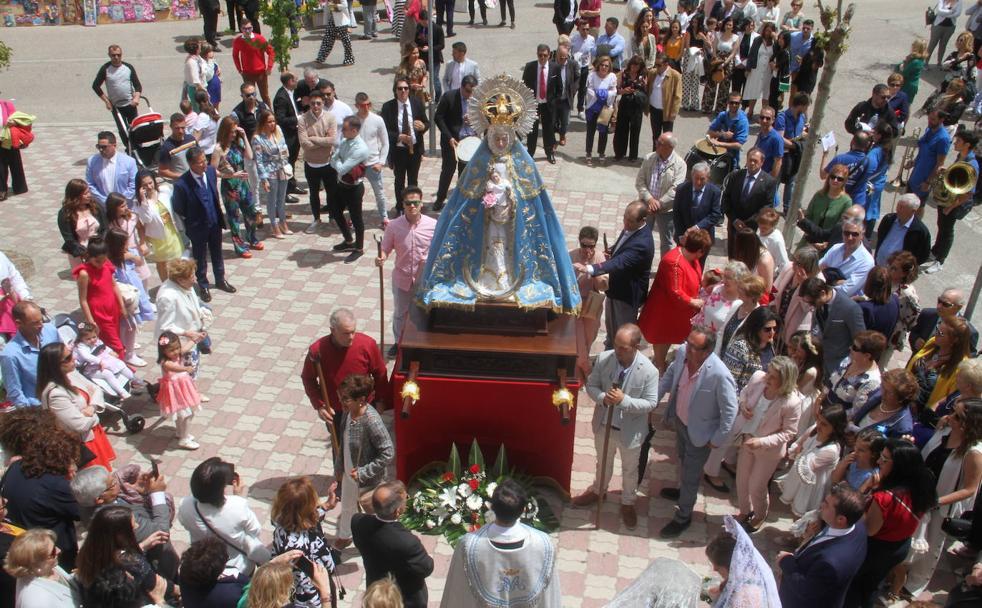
[[467, 147], [718, 159]]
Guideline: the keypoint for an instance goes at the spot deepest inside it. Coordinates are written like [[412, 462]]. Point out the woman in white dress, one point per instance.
[[815, 455], [759, 71], [723, 298]]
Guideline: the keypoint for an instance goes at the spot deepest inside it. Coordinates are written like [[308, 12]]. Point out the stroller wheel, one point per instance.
[[135, 424]]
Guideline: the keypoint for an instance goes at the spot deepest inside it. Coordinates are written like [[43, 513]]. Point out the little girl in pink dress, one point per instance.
[[177, 395]]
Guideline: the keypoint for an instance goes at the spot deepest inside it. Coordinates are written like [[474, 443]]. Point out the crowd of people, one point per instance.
[[785, 364]]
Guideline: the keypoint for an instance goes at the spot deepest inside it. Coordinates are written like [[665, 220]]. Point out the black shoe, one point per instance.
[[354, 255], [297, 190], [344, 246], [674, 528], [204, 293], [204, 349], [502, 24], [726, 467], [225, 286], [438, 205], [722, 487], [451, 34], [292, 199], [471, 22], [670, 493], [551, 158]]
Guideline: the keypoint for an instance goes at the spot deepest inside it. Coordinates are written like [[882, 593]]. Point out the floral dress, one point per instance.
[[715, 94], [692, 70], [315, 547], [743, 360], [910, 309], [852, 392], [240, 206]]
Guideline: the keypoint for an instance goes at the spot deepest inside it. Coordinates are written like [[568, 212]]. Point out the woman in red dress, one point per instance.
[[666, 318], [101, 302]]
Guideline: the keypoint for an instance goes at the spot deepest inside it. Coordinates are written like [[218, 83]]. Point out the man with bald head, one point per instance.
[[388, 548], [950, 304], [628, 265], [624, 385], [661, 173]]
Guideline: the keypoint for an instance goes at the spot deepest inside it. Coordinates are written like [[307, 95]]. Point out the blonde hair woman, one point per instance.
[[272, 585], [383, 593], [41, 582], [912, 66]]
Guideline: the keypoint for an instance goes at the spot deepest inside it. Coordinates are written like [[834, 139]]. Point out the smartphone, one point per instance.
[[154, 470], [304, 565], [616, 385]]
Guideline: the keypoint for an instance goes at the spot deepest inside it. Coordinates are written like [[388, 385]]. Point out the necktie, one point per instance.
[[748, 186], [405, 119], [697, 198], [620, 377], [542, 83]]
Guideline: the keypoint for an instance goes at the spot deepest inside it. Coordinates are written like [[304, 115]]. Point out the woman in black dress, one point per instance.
[[630, 109]]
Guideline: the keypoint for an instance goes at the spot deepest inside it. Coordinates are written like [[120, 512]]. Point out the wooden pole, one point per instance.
[[327, 403], [603, 466]]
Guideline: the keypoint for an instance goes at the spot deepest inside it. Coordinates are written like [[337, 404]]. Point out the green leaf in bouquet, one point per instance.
[[500, 464], [476, 456]]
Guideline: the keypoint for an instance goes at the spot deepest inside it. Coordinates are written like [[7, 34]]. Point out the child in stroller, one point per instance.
[[99, 362]]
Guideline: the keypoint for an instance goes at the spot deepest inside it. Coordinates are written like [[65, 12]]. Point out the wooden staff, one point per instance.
[[603, 461], [381, 299], [327, 403]]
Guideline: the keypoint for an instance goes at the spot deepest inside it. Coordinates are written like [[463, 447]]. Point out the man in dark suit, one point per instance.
[[422, 40], [451, 119], [196, 201], [629, 266], [387, 547], [537, 76], [210, 9], [405, 120], [950, 304], [817, 575], [836, 321], [748, 190], [565, 86], [286, 111], [903, 231], [564, 15], [697, 203]]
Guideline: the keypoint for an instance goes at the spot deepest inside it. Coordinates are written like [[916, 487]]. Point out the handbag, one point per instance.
[[339, 14], [930, 16], [131, 297], [959, 528], [220, 536], [605, 117]]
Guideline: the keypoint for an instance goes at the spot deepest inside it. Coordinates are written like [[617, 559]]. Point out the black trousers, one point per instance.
[[480, 4], [564, 28], [946, 235], [881, 557], [627, 131], [448, 164], [123, 116], [210, 26], [511, 10], [203, 246], [12, 170], [349, 198], [547, 123], [445, 7], [561, 119], [233, 15], [316, 176], [405, 168], [254, 18], [658, 124], [293, 148]]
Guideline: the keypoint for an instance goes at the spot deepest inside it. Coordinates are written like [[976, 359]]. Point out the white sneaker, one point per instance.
[[188, 443], [312, 228], [932, 267], [580, 114], [136, 361]]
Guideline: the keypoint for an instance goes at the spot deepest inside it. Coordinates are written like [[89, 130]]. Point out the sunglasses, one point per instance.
[[837, 178], [944, 303], [856, 348], [588, 245], [103, 146], [253, 94], [412, 203], [402, 88]]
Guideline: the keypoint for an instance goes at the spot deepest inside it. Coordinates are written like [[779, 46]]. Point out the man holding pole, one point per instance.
[[333, 358], [624, 385], [409, 236]]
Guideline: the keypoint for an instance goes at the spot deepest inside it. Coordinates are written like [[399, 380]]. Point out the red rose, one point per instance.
[[448, 476], [474, 517], [475, 469], [474, 484]]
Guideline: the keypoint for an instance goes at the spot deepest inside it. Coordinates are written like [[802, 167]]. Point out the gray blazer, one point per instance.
[[640, 395], [371, 448], [836, 325], [713, 406]]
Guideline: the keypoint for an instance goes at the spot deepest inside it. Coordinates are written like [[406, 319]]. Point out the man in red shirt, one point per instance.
[[253, 58], [341, 353]]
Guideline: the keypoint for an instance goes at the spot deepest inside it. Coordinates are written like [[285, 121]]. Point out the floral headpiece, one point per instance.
[[163, 341]]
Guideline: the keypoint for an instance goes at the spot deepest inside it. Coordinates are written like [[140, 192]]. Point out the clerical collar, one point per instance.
[[502, 535]]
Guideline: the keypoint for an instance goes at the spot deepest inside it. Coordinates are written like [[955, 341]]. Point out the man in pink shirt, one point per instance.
[[410, 236], [253, 57]]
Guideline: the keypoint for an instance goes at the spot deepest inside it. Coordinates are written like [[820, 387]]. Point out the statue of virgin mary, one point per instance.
[[498, 239]]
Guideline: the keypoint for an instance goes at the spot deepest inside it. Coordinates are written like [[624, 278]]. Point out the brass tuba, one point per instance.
[[952, 182]]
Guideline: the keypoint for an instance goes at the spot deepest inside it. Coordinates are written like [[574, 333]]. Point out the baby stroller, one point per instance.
[[145, 135], [134, 423]]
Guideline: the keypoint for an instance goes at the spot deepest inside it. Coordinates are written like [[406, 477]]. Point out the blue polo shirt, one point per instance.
[[772, 145], [799, 46], [740, 127], [786, 124], [970, 159], [858, 174], [932, 144], [19, 363]]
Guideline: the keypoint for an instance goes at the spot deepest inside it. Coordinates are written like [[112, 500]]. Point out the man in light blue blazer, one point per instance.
[[110, 171], [701, 406], [626, 380]]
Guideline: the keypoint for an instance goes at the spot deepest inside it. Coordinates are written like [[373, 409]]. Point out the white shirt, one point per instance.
[[237, 524], [17, 283], [375, 136], [656, 99], [409, 112], [456, 69], [107, 175], [208, 129], [340, 110]]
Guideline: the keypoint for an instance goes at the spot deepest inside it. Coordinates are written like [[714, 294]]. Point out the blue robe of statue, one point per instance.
[[539, 250]]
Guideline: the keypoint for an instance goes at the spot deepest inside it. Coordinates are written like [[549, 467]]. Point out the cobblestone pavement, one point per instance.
[[258, 416]]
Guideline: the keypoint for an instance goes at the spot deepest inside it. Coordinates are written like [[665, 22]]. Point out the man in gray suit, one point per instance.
[[626, 380], [836, 320], [702, 406]]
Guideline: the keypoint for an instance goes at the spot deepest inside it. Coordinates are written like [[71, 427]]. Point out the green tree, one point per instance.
[[277, 15], [5, 54]]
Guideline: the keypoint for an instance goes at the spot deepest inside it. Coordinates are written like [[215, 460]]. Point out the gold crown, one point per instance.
[[502, 109]]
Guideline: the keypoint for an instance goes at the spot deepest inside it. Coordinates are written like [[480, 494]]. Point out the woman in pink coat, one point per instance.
[[770, 406]]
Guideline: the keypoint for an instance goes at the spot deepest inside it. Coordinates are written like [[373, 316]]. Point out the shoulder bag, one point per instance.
[[220, 536]]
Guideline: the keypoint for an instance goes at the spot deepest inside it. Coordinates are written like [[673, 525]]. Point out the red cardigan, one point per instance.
[[667, 317], [252, 56], [362, 357]]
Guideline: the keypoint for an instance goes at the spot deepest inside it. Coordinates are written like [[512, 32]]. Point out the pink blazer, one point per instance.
[[780, 422], [799, 315]]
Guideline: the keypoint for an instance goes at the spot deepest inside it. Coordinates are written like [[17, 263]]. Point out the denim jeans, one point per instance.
[[378, 187], [369, 15], [276, 201]]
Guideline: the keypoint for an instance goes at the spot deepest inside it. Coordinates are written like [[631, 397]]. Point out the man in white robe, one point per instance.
[[506, 563]]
